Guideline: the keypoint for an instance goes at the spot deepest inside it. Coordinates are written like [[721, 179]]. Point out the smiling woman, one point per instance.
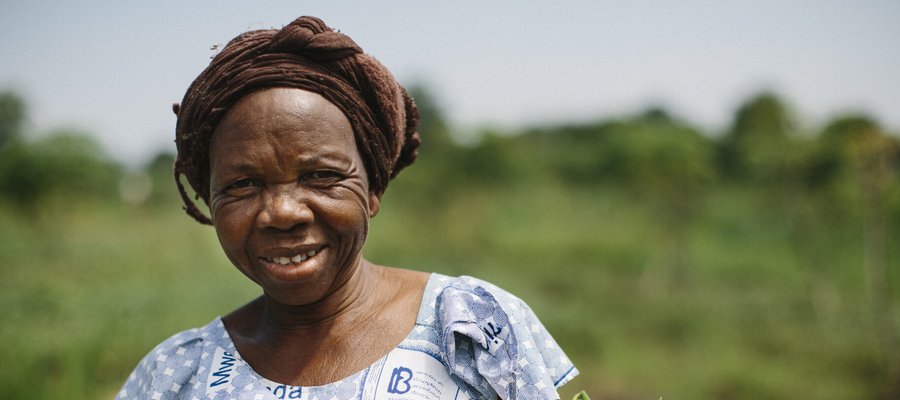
[[291, 137], [283, 159]]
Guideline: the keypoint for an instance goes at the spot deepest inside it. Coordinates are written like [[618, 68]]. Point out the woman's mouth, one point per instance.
[[295, 259], [295, 264]]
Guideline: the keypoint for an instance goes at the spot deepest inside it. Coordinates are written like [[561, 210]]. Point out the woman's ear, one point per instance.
[[374, 203]]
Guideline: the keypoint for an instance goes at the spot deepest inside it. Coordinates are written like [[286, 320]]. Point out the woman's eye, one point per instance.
[[242, 185], [323, 176]]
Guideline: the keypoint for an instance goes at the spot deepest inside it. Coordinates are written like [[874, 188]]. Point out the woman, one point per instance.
[[290, 137]]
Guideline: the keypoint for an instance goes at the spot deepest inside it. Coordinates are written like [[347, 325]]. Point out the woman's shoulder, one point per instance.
[[178, 343], [442, 287], [470, 298], [172, 363], [450, 299], [494, 342]]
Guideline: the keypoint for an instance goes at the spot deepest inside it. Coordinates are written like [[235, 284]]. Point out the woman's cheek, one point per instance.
[[351, 209], [233, 223]]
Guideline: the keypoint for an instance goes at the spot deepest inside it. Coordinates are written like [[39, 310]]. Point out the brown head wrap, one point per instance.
[[307, 55]]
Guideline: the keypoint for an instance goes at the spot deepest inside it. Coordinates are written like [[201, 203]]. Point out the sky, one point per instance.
[[114, 68]]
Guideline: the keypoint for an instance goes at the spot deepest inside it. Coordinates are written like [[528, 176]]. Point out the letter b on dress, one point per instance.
[[400, 378]]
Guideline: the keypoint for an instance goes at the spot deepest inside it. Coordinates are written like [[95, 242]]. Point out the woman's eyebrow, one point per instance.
[[330, 157], [332, 160], [238, 167]]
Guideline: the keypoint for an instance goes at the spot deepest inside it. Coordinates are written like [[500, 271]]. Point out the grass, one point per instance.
[[87, 289]]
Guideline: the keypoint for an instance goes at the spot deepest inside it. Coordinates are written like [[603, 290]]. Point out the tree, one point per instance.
[[433, 127], [870, 160], [433, 177], [12, 117], [64, 163], [755, 145], [669, 165], [159, 170]]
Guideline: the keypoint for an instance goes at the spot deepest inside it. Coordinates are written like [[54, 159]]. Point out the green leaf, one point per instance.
[[582, 395]]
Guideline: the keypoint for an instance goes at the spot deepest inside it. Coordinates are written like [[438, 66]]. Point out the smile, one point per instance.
[[296, 259]]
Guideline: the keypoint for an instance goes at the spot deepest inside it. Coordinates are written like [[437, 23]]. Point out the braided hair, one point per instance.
[[308, 55]]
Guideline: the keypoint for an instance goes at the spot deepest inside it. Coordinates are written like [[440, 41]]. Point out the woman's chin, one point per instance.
[[300, 283]]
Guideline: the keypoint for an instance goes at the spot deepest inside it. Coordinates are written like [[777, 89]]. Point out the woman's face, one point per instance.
[[289, 195]]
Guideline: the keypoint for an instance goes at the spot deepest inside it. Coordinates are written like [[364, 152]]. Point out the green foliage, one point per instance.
[[667, 262], [62, 164], [582, 395], [433, 127], [755, 145], [159, 170], [12, 116]]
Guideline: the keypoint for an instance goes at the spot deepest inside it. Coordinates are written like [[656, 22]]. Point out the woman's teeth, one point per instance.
[[295, 259]]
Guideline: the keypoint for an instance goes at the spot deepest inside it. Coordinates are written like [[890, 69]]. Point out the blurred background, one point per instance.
[[700, 200]]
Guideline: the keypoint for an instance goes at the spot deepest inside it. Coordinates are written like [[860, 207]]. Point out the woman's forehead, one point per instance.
[[283, 113], [287, 123], [278, 104]]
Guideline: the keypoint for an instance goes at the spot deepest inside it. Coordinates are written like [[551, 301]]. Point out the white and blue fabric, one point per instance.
[[472, 340]]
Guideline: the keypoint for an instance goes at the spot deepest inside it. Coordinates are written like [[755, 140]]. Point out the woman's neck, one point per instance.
[[361, 320], [352, 296]]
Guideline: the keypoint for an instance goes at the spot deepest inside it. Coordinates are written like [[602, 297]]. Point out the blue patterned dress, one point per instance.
[[472, 340]]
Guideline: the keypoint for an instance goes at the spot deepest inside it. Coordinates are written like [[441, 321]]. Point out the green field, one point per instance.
[[87, 289], [668, 262]]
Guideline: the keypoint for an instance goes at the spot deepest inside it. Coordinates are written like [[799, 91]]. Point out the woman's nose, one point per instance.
[[284, 209]]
